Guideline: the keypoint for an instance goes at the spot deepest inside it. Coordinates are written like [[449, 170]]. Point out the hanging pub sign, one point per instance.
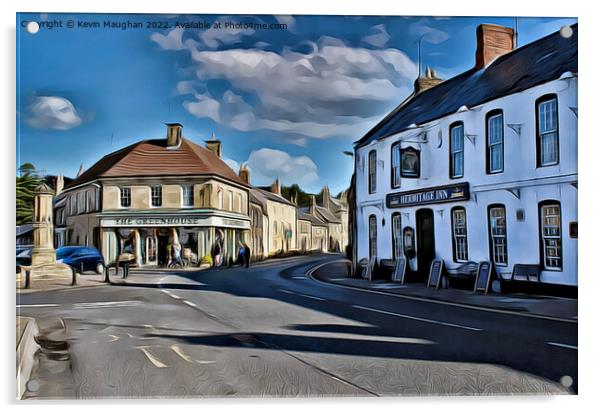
[[447, 193]]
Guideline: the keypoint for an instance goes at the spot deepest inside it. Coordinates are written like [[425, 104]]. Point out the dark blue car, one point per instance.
[[86, 258]]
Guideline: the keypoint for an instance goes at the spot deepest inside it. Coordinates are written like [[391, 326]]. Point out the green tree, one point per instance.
[[27, 181]]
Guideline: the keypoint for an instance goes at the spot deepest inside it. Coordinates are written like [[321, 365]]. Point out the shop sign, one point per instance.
[[173, 221], [447, 193]]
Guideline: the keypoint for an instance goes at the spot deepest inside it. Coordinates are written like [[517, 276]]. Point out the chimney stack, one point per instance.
[[174, 135], [312, 206], [492, 42], [244, 173], [275, 188], [215, 145], [60, 184], [325, 196], [427, 81]]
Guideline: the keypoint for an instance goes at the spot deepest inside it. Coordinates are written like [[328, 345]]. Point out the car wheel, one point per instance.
[[100, 268]]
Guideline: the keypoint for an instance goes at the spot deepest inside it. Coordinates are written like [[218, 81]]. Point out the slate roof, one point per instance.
[[260, 196], [533, 64], [153, 158], [323, 214], [308, 217]]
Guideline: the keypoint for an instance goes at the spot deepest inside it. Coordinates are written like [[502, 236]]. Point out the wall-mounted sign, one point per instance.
[[173, 221], [447, 193]]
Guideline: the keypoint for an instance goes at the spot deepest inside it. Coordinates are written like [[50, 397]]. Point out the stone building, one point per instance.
[[155, 193]]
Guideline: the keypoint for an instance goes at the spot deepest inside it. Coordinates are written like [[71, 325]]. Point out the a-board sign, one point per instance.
[[370, 269], [400, 270], [436, 274], [484, 274]]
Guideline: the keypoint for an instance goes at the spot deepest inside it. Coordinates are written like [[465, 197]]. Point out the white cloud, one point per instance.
[[332, 90], [267, 164], [232, 164], [170, 41], [53, 112], [428, 33], [378, 39]]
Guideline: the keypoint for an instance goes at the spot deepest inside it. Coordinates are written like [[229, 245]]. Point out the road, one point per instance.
[[272, 331]]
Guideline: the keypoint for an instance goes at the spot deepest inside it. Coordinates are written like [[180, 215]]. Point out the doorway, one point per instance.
[[425, 230], [162, 258]]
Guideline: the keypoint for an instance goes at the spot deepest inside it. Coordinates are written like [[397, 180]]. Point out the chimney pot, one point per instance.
[[492, 41], [215, 145]]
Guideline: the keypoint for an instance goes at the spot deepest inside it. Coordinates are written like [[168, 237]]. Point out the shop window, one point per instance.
[[410, 163], [156, 195], [456, 150], [372, 172], [395, 166], [550, 235], [459, 234], [497, 234], [495, 142], [397, 235], [547, 131], [372, 234], [187, 195]]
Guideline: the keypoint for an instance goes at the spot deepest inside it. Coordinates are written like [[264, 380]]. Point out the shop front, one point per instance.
[[149, 239]]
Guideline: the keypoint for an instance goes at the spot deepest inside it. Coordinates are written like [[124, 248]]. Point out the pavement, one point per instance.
[[87, 279], [273, 331], [529, 305]]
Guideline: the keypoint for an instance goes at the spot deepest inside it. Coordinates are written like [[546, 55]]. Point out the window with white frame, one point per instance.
[[456, 150], [547, 131], [187, 195], [395, 166], [495, 142], [156, 195], [551, 237], [397, 236], [372, 172], [497, 233], [125, 197], [459, 234], [372, 233]]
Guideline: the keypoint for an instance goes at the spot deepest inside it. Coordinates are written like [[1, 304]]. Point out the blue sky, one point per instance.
[[286, 101]]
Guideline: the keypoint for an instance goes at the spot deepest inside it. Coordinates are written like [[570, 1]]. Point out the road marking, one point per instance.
[[105, 304], [152, 358], [36, 305], [180, 353], [190, 303], [205, 361], [425, 320], [113, 338], [129, 335], [312, 297], [435, 301], [551, 343]]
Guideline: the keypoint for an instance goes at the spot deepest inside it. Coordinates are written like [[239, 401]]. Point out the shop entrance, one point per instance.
[[425, 231], [162, 258]]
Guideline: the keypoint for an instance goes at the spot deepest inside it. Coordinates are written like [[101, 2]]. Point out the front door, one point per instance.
[[425, 230], [163, 241]]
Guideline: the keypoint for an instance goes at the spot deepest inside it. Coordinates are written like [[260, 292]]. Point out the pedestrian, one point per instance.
[[240, 258], [247, 254], [177, 254]]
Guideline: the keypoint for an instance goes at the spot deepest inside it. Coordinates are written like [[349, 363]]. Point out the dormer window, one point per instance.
[[410, 163]]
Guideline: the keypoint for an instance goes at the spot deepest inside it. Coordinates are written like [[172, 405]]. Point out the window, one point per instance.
[[456, 150], [497, 229], [395, 166], [220, 199], [495, 142], [156, 196], [73, 205], [81, 202], [397, 235], [410, 163], [239, 197], [547, 131], [230, 200], [551, 238], [372, 235], [187, 195], [459, 234], [125, 197], [372, 172]]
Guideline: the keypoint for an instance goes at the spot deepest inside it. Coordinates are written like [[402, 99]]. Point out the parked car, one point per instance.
[[75, 256], [23, 257]]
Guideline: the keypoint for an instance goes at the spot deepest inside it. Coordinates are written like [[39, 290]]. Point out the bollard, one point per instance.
[[126, 269], [81, 267], [107, 280], [73, 276], [27, 278]]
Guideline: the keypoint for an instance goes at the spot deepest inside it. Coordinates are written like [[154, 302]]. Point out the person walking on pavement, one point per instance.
[[177, 254], [247, 254]]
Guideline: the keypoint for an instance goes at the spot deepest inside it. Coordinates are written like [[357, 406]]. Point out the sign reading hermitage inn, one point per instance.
[[428, 196]]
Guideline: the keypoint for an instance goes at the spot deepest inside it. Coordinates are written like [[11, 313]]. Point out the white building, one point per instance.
[[481, 167]]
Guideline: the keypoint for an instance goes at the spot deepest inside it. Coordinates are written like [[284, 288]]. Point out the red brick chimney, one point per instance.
[[492, 41]]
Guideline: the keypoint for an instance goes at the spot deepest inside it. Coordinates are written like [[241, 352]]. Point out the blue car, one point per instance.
[[81, 258]]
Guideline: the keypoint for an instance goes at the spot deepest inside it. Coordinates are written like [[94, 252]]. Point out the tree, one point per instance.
[[27, 181]]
